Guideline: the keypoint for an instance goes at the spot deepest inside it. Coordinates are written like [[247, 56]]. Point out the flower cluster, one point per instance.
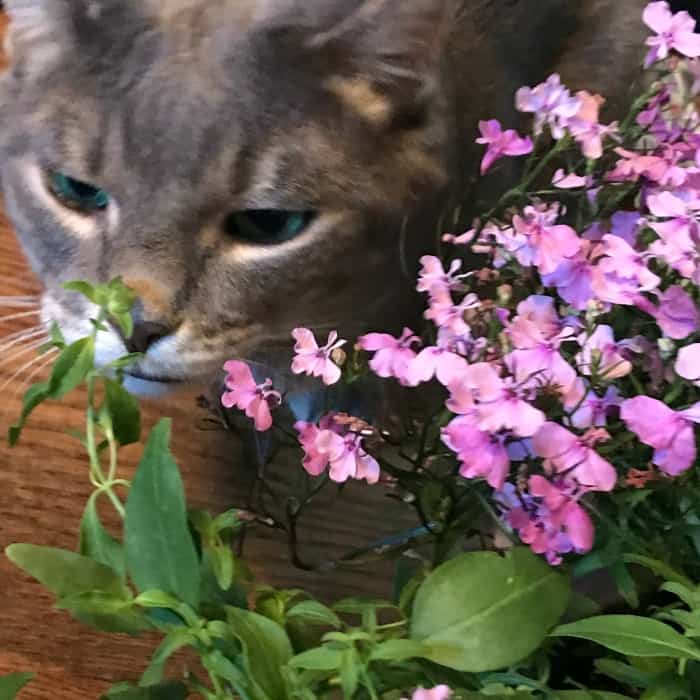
[[595, 309]]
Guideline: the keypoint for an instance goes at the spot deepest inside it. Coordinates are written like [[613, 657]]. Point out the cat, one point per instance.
[[249, 166]]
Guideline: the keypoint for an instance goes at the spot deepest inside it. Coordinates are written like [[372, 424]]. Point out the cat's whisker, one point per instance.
[[21, 336], [23, 314], [19, 301], [43, 360], [23, 351]]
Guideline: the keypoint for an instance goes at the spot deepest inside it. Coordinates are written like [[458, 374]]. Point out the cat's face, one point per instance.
[[247, 166]]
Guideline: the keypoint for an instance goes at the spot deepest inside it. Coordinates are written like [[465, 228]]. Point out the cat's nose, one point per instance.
[[146, 334]]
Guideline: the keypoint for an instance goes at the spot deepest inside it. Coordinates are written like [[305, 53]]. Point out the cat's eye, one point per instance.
[[267, 226], [76, 194]]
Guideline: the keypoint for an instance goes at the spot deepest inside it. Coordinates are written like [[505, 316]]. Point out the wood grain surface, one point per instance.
[[43, 488]]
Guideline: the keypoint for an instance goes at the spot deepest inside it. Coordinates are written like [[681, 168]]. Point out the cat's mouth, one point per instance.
[[150, 385], [159, 379]]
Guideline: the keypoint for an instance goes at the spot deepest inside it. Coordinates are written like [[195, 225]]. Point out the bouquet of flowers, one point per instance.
[[556, 429]]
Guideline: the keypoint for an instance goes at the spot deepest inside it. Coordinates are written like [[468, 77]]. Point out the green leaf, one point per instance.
[[669, 687], [266, 649], [633, 635], [124, 410], [481, 611], [322, 658], [97, 543], [658, 567], [358, 606], [66, 573], [72, 366], [160, 553], [398, 650], [349, 673], [313, 613], [172, 690], [84, 288], [176, 639], [106, 612], [33, 397], [589, 695], [11, 684], [215, 662], [624, 673]]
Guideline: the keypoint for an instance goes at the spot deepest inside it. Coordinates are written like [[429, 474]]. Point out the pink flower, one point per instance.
[[393, 356], [676, 314], [481, 454], [671, 433], [688, 363], [444, 313], [551, 243], [566, 453], [314, 360], [439, 692], [537, 334], [594, 410], [585, 128], [569, 181], [674, 32], [622, 274], [501, 403], [436, 361], [632, 166], [548, 517], [333, 445], [551, 103], [500, 143], [573, 277], [599, 351], [433, 274], [255, 399]]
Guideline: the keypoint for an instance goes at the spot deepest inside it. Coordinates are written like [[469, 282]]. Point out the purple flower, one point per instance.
[[595, 410], [333, 445], [676, 314], [671, 433], [314, 360], [688, 363], [566, 453], [433, 274], [600, 351], [573, 277], [393, 356], [243, 393], [551, 103], [674, 32], [586, 129], [500, 143], [551, 243], [444, 313]]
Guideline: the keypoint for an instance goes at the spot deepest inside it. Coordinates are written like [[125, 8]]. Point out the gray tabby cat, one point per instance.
[[249, 166]]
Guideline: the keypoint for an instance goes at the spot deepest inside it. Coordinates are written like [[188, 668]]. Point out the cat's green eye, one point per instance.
[[267, 226], [76, 194]]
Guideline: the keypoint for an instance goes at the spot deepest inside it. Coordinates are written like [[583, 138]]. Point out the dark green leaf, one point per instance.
[[106, 612], [313, 613], [172, 690], [625, 584], [633, 635], [11, 684], [176, 639], [659, 568], [624, 673], [669, 687], [589, 695], [33, 397], [124, 412], [97, 543], [160, 553], [320, 659], [471, 625], [215, 662], [66, 573], [398, 650], [72, 367], [358, 606], [266, 649]]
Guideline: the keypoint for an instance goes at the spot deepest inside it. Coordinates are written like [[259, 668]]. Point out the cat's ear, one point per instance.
[[392, 52], [40, 31]]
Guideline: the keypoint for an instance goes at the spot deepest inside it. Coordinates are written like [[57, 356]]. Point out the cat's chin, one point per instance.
[[150, 388]]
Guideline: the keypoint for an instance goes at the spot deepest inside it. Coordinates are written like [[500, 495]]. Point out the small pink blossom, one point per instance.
[[393, 357], [436, 361], [433, 274], [595, 410], [566, 453], [255, 400], [573, 278], [569, 181], [632, 166], [671, 433], [551, 103], [600, 351], [688, 363], [676, 313], [439, 692], [586, 129], [444, 313], [622, 273], [333, 445], [551, 243], [314, 360], [500, 143], [674, 32]]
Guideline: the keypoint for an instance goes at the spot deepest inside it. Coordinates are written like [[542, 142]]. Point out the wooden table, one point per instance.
[[43, 488]]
